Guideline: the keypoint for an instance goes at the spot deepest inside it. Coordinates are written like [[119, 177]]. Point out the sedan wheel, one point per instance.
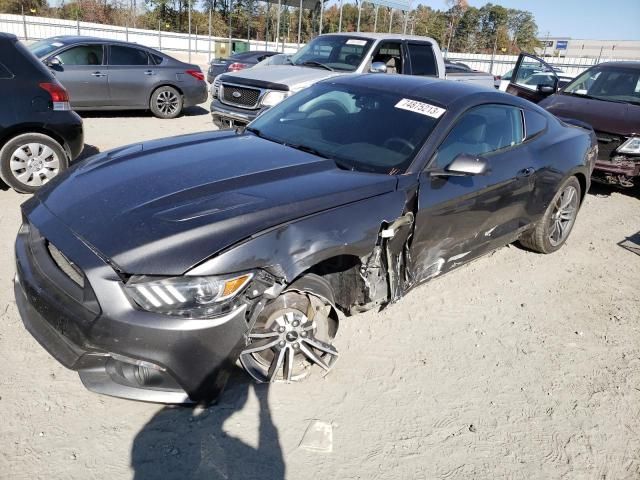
[[293, 334], [29, 161], [166, 102]]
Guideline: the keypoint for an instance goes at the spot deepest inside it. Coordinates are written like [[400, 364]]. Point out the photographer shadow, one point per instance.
[[190, 443]]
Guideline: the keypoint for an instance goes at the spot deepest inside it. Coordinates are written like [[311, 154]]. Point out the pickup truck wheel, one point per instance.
[[292, 334], [30, 160], [553, 229]]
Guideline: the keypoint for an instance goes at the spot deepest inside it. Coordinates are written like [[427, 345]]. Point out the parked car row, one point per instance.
[[336, 200]]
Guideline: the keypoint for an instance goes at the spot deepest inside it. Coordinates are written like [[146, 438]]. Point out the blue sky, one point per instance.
[[584, 19]]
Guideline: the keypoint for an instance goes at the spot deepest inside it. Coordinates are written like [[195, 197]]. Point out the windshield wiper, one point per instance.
[[317, 64], [591, 97], [311, 150]]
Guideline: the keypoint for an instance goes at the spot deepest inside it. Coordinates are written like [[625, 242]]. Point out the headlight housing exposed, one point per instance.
[[273, 98], [187, 297], [630, 147]]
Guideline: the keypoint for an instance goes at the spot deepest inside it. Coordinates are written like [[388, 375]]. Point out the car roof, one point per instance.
[[442, 92], [72, 39], [626, 64], [384, 36]]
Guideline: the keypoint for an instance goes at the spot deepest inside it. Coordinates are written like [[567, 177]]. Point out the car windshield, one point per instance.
[[613, 84], [359, 128], [42, 48], [333, 52]]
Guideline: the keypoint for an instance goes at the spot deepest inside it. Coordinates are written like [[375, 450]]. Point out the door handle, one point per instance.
[[149, 72], [99, 74], [526, 172]]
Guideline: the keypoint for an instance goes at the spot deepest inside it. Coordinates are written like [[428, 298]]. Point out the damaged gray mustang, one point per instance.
[[152, 269]]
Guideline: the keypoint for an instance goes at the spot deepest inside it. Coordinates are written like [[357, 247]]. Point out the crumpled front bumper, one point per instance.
[[117, 349]]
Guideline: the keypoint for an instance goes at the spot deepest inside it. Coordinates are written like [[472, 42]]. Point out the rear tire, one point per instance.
[[30, 160], [166, 102], [553, 229]]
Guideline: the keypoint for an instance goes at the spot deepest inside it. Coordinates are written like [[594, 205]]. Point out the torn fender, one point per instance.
[[290, 249]]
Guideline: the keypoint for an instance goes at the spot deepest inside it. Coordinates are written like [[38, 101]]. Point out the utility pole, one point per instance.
[[209, 60], [390, 19], [230, 46], [278, 25], [359, 13], [375, 22], [189, 6], [321, 12], [340, 21], [299, 22]]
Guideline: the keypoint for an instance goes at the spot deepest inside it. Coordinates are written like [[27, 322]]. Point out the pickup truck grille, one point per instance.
[[607, 144], [240, 96]]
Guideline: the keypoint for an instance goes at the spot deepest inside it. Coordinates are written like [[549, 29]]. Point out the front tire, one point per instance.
[[30, 160], [166, 102], [292, 336], [553, 229]]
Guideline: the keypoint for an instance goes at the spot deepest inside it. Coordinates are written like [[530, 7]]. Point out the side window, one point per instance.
[[534, 123], [480, 131], [127, 56], [532, 72], [82, 55], [423, 61], [390, 54], [157, 59], [5, 73]]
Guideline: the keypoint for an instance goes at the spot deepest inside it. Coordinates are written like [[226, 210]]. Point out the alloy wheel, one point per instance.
[[34, 164], [563, 216], [291, 340], [167, 102]]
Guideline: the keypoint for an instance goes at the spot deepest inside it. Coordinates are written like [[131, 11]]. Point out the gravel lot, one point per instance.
[[516, 366]]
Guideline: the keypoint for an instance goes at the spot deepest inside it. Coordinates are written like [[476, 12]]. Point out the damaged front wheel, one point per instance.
[[292, 335]]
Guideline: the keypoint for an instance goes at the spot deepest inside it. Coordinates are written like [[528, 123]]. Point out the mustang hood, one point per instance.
[[161, 207], [611, 117]]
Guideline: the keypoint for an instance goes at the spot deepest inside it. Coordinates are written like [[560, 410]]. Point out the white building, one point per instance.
[[570, 47]]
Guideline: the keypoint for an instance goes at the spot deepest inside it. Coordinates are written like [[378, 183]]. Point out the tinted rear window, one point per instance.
[[32, 62], [127, 56], [423, 61]]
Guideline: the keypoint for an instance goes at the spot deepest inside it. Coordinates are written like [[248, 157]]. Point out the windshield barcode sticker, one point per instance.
[[353, 41], [421, 108]]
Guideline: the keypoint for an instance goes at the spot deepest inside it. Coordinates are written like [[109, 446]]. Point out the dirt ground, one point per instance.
[[517, 366]]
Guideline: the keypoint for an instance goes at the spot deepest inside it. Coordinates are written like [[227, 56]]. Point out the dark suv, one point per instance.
[[39, 134]]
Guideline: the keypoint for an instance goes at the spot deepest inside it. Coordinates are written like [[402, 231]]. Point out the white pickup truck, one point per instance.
[[239, 97]]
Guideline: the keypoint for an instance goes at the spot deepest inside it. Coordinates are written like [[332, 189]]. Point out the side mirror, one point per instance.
[[464, 165], [53, 62], [378, 67], [546, 89]]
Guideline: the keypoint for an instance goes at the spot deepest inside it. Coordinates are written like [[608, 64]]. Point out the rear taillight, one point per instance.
[[497, 77], [234, 67], [197, 74], [59, 96]]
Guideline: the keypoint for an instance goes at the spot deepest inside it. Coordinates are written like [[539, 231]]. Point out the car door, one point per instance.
[[461, 217], [132, 76], [527, 68], [82, 71]]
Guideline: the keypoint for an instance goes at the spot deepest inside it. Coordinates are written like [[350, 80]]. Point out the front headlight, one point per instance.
[[273, 98], [189, 297], [631, 146]]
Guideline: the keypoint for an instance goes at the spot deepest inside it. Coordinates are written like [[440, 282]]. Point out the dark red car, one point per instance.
[[606, 97]]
